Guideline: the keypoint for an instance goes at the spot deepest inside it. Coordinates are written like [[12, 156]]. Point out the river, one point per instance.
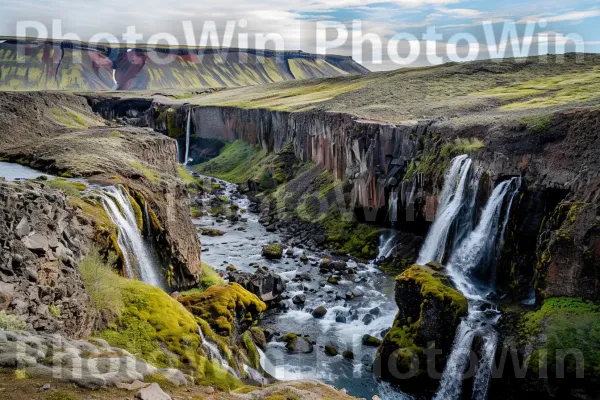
[[343, 327]]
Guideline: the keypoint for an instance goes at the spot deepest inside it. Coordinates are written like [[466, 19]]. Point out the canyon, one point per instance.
[[459, 168]]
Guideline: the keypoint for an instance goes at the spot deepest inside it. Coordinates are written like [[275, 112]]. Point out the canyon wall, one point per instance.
[[558, 165]]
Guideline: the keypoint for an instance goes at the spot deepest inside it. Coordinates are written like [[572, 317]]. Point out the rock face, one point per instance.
[[43, 238], [266, 285], [429, 313]]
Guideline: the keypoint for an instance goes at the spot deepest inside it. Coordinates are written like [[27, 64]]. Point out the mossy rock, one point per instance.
[[155, 327], [371, 341], [331, 351], [211, 232], [348, 355], [228, 309], [272, 251], [297, 344], [429, 311]]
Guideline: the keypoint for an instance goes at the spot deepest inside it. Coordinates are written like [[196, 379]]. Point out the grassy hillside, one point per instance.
[[64, 65], [493, 87]]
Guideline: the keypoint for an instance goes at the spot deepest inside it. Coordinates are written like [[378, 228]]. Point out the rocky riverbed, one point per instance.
[[330, 318]]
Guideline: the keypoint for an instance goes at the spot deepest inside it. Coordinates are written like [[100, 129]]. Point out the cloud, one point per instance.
[[571, 16]]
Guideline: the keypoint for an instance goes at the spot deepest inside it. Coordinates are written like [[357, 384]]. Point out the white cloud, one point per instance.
[[571, 16]]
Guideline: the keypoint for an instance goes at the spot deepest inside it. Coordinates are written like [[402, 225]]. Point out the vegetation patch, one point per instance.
[[564, 324], [101, 282], [220, 306], [461, 146], [9, 322], [70, 188], [148, 173], [237, 162]]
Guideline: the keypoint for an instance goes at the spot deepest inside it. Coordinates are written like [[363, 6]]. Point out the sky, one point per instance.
[[463, 27]]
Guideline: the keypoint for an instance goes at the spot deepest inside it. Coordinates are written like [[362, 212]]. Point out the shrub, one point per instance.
[[11, 322], [55, 311], [461, 146], [20, 374]]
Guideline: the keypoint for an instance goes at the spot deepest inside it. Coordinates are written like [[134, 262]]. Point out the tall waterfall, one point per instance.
[[139, 260], [393, 206], [188, 130], [452, 200], [471, 268]]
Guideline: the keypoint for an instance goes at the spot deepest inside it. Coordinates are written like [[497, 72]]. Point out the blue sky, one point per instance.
[[295, 21]]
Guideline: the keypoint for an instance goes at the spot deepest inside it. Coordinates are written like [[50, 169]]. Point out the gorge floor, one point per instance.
[[346, 321]]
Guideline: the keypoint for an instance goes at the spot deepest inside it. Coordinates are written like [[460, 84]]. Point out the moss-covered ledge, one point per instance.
[[429, 313]]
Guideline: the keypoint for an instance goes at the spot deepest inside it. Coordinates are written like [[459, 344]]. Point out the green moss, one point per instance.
[[565, 324], [137, 210], [251, 350], [461, 146], [9, 322], [537, 123], [433, 286], [173, 129], [148, 173], [237, 162], [331, 351], [185, 175], [155, 327], [371, 341], [68, 187], [220, 306], [272, 251]]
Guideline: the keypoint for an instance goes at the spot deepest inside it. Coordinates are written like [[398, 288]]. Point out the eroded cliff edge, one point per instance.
[[60, 134]]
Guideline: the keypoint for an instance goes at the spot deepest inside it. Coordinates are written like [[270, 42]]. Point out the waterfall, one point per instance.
[[215, 354], [475, 255], [451, 202], [387, 242], [187, 137], [393, 206], [178, 156], [471, 268], [139, 260]]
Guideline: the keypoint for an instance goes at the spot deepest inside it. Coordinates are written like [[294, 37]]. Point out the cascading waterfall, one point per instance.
[[451, 202], [387, 242], [178, 156], [139, 260], [214, 353], [188, 130], [470, 267]]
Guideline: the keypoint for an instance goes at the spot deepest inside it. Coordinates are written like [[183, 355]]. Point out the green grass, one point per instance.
[[461, 146], [567, 323], [208, 278], [68, 118], [148, 173], [185, 175], [70, 188], [102, 283], [237, 162], [9, 322]]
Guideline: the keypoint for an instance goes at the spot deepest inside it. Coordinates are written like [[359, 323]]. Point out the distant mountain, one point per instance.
[[65, 65]]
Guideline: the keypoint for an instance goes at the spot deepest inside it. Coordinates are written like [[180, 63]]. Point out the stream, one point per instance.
[[371, 312]]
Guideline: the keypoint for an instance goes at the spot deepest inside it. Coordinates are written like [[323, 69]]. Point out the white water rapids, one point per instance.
[[188, 130]]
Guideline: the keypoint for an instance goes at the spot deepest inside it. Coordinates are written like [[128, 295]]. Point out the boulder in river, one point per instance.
[[297, 344], [272, 251], [331, 351], [266, 285], [299, 299], [319, 312]]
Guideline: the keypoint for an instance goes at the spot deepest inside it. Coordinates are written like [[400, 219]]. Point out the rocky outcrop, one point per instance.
[[267, 286], [73, 142], [88, 364], [43, 239], [230, 310], [64, 65], [429, 313]]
